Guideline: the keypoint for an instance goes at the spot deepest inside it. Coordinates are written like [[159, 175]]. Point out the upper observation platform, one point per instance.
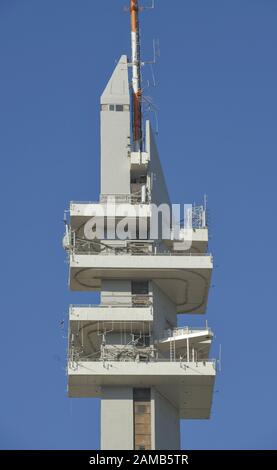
[[116, 312], [185, 279], [139, 218]]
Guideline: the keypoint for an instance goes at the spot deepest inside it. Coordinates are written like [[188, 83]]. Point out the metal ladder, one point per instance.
[[172, 350]]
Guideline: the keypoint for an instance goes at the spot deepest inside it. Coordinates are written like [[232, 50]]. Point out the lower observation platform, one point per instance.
[[187, 385]]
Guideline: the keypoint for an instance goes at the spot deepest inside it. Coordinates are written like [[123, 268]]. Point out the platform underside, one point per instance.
[[188, 386], [184, 279]]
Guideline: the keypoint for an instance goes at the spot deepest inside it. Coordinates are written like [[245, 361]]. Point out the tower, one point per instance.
[[128, 349]]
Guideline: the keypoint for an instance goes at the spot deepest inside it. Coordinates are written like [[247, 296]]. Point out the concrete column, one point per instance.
[[164, 311], [116, 291], [165, 423], [117, 426]]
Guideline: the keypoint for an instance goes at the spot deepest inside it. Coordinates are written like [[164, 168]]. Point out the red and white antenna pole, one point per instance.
[[136, 76]]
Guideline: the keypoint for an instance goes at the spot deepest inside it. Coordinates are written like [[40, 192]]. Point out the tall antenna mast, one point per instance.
[[136, 76]]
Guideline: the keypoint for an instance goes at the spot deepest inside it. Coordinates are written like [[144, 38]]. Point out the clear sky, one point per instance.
[[217, 100]]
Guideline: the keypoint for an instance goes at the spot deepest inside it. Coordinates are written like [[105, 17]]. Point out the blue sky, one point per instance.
[[217, 100]]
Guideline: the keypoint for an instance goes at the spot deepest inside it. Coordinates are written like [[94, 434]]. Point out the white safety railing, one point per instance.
[[185, 330], [124, 252], [183, 362], [132, 301], [195, 216], [133, 198]]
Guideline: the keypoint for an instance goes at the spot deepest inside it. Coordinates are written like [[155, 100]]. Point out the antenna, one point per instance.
[[136, 75], [136, 65]]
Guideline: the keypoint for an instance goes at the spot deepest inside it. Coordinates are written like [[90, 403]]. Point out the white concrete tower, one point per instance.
[[128, 350]]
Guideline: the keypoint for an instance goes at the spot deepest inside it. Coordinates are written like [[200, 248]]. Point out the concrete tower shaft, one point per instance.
[[128, 350]]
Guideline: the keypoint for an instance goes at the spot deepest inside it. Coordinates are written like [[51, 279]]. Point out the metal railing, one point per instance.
[[198, 217], [195, 217], [135, 300], [117, 199], [83, 202], [172, 333], [124, 251], [183, 362]]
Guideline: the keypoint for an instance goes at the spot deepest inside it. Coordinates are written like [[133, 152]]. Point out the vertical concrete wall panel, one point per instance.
[[164, 311], [165, 423], [116, 291], [117, 418], [159, 189]]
